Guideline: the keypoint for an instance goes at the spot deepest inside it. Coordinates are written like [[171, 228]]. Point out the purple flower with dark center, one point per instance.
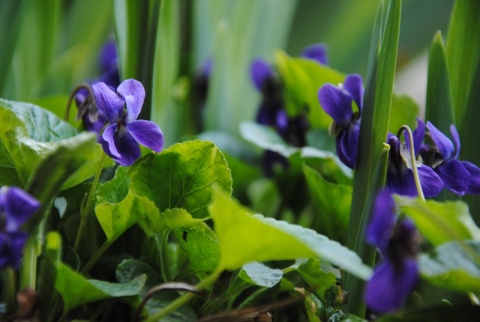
[[316, 52], [123, 133], [400, 177], [337, 102], [16, 207], [459, 176], [398, 242]]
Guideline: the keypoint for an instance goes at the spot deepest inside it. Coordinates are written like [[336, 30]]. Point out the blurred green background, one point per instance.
[[50, 46]]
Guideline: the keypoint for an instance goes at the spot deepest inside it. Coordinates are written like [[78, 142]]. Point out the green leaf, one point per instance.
[[302, 79], [463, 46], [373, 134], [115, 190], [116, 218], [194, 236], [440, 222], [185, 174], [316, 278], [260, 274], [76, 290], [245, 238], [454, 266], [29, 133], [439, 106], [265, 196], [65, 165], [332, 203]]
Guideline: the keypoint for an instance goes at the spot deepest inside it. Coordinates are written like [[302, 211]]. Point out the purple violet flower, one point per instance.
[[397, 240], [316, 52], [458, 176], [337, 102], [16, 207], [399, 172], [123, 133]]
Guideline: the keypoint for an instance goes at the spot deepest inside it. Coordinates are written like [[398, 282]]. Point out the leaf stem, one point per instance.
[[88, 204], [182, 300], [162, 240]]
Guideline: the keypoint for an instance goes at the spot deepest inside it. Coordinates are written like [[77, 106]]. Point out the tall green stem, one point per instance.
[[28, 272], [88, 204], [8, 289], [184, 299]]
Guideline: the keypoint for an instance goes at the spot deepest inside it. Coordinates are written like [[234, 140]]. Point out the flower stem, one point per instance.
[[413, 161], [182, 300], [70, 99], [97, 255], [28, 272], [88, 204]]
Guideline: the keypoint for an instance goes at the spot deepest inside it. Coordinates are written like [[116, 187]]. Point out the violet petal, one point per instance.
[[381, 223], [316, 52], [18, 206], [454, 176], [353, 84], [336, 103], [389, 287], [134, 94], [260, 70], [147, 133], [109, 102], [443, 143]]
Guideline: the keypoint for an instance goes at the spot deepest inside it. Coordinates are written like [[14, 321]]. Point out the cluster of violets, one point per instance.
[[437, 156], [111, 109], [438, 167], [272, 112], [16, 207]]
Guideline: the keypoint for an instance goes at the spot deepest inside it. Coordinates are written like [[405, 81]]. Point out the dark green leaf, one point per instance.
[[185, 174], [65, 165], [77, 290], [332, 203]]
